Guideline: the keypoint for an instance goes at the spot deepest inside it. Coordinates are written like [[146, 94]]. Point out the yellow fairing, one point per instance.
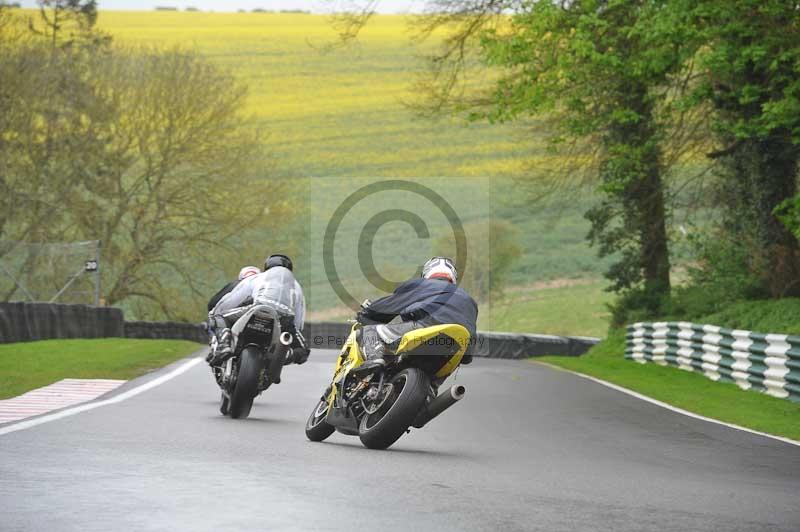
[[349, 358], [352, 357], [413, 339]]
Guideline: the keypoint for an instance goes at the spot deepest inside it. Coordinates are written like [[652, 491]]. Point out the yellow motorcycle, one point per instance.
[[380, 405]]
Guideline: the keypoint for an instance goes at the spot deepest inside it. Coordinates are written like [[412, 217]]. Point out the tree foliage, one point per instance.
[[593, 65], [179, 174], [749, 54], [146, 150], [67, 22], [636, 85], [591, 77]]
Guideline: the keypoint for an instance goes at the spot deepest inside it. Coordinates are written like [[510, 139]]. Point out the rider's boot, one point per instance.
[[375, 352], [369, 365], [224, 348]]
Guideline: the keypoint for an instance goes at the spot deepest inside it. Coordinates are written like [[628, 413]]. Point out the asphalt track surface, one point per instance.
[[529, 448]]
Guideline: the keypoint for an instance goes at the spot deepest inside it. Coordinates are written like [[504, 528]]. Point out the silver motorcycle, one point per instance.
[[260, 350]]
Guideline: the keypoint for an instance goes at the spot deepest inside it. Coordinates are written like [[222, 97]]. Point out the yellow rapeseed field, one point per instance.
[[332, 113], [340, 113]]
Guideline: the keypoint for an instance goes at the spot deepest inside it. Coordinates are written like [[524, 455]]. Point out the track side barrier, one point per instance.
[[754, 361]]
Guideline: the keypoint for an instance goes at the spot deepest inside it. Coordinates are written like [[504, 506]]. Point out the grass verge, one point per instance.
[[690, 391], [29, 365], [575, 309]]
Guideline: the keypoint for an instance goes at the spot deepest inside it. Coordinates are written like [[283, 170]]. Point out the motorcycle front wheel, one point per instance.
[[405, 395], [317, 428], [246, 389]]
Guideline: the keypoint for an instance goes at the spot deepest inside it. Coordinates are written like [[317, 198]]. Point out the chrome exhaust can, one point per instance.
[[439, 404]]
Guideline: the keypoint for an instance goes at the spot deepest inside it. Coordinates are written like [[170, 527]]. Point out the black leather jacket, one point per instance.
[[219, 295], [427, 301]]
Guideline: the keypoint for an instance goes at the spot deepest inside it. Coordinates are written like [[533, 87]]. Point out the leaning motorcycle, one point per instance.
[[380, 405], [260, 350]]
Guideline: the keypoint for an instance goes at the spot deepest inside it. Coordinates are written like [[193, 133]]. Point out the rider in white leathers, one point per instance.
[[277, 287]]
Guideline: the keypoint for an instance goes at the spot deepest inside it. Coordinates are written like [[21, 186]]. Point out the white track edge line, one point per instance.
[[670, 407], [22, 425]]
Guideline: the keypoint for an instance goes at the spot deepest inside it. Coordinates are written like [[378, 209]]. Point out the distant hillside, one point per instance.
[[337, 114]]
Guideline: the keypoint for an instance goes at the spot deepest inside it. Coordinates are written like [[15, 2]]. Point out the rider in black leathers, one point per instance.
[[433, 299]]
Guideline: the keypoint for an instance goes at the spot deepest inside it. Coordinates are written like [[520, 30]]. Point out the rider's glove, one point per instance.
[[301, 355]]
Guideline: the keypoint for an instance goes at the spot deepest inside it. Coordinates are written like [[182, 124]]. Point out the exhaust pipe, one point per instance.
[[286, 338], [439, 404], [279, 357]]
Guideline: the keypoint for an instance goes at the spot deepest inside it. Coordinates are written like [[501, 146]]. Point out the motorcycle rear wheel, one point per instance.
[[246, 389], [224, 404], [382, 428], [317, 428]]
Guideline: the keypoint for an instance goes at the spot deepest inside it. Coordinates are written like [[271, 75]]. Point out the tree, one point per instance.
[[750, 65], [146, 150], [66, 22], [40, 107], [179, 174], [43, 97], [592, 69], [592, 64]]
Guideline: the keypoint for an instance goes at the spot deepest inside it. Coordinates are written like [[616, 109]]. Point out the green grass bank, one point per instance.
[[29, 365]]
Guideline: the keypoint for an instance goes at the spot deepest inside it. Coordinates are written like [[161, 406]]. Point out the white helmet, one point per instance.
[[440, 268], [247, 271]]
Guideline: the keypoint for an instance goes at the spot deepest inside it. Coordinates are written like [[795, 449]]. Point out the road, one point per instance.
[[529, 448]]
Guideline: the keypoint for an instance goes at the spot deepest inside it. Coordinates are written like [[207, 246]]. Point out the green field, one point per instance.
[[331, 113], [333, 120], [29, 365], [576, 308]]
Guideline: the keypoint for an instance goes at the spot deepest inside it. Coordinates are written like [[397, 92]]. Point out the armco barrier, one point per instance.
[[515, 345], [165, 330], [764, 362], [25, 322], [487, 344], [21, 322]]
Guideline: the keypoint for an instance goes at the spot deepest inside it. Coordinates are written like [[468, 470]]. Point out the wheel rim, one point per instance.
[[398, 384], [372, 408], [319, 414]]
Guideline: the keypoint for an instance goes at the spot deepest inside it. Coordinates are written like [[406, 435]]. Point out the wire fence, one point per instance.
[[63, 272]]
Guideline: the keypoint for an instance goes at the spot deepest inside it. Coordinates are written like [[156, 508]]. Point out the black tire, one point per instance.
[[317, 428], [224, 404], [384, 427], [250, 366]]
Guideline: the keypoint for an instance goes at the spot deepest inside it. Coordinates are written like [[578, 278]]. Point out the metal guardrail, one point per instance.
[[24, 322], [487, 344], [754, 361]]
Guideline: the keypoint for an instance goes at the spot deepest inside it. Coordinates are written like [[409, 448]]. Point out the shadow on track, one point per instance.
[[254, 420], [357, 447]]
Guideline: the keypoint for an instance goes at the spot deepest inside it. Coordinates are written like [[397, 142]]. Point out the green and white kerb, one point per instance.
[[764, 362]]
